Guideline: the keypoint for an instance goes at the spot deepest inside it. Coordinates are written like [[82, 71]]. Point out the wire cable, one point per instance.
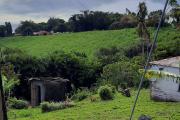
[[148, 59]]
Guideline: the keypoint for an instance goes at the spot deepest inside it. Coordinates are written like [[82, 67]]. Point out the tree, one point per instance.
[[175, 11], [142, 29], [10, 79], [42, 26], [8, 28], [121, 73], [154, 18], [175, 14], [60, 28], [173, 3], [27, 28], [91, 20], [2, 31], [54, 23]]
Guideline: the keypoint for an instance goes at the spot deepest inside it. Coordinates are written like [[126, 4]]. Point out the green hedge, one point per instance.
[[17, 104], [52, 106]]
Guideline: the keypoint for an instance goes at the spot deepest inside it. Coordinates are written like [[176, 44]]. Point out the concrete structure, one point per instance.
[[166, 87], [48, 89]]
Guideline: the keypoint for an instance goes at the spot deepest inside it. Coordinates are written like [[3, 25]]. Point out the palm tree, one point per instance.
[[142, 29]]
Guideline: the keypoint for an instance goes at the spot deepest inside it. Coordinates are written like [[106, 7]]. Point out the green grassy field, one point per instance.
[[117, 109], [87, 42]]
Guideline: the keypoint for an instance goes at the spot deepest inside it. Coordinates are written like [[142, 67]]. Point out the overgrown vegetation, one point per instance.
[[118, 108], [81, 95], [52, 106], [14, 103], [106, 93], [82, 68]]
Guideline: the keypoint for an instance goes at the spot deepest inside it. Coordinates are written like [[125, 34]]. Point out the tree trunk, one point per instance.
[[3, 111]]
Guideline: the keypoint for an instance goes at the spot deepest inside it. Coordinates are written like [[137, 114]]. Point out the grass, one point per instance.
[[86, 42], [117, 109]]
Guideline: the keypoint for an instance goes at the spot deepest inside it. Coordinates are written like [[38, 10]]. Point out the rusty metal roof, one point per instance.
[[169, 62], [55, 79]]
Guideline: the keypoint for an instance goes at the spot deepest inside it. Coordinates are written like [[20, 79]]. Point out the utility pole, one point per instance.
[[3, 110]]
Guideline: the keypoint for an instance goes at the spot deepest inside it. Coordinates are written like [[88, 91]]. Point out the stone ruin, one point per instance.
[[48, 89]]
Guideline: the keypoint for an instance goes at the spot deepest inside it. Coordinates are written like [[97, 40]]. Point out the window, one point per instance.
[[179, 88]]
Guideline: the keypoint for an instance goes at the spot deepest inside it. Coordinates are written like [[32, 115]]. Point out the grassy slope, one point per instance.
[[118, 109], [87, 42]]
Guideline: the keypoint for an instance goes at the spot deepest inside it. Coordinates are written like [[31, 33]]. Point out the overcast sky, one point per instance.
[[40, 10]]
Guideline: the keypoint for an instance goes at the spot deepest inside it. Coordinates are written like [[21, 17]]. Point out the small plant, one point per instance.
[[113, 88], [52, 106], [93, 98], [105, 93], [81, 95], [17, 104]]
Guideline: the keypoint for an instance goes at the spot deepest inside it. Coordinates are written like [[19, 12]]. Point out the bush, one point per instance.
[[113, 89], [123, 72], [93, 98], [81, 95], [110, 55], [74, 66], [105, 93], [52, 106], [17, 104], [127, 21]]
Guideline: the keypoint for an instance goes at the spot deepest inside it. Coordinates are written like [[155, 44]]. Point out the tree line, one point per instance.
[[6, 30], [94, 20]]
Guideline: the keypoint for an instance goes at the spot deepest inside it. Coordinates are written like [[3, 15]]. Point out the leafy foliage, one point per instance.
[[110, 55], [81, 95], [9, 85], [6, 30], [120, 73], [17, 104], [106, 93], [52, 106]]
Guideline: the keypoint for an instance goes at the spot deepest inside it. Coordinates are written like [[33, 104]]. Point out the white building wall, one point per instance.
[[167, 88]]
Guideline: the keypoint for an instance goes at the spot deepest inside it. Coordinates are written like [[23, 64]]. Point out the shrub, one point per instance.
[[105, 93], [17, 104], [93, 98], [123, 72], [81, 95], [127, 21], [52, 106], [116, 26], [110, 55], [72, 66], [113, 89]]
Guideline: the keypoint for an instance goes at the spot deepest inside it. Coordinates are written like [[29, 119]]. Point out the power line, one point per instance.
[[148, 60]]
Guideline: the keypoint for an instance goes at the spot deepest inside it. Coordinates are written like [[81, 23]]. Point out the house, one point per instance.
[[165, 86], [48, 89], [41, 33]]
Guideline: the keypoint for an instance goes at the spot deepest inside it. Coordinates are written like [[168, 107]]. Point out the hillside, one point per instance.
[[87, 42], [118, 109]]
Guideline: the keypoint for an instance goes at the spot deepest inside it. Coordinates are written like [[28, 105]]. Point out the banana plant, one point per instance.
[[159, 74]]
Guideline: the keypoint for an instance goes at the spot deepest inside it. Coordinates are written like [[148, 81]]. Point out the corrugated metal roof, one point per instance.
[[169, 62]]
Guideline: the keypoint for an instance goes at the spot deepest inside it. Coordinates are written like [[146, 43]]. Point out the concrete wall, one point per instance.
[[34, 92], [166, 88]]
